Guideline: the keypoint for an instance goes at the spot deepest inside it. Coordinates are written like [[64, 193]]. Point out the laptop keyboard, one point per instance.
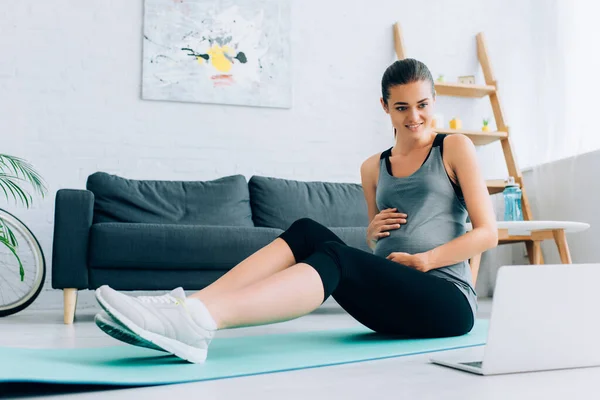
[[476, 364]]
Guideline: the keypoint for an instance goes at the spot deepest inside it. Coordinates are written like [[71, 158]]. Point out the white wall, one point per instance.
[[580, 57], [567, 65], [70, 93]]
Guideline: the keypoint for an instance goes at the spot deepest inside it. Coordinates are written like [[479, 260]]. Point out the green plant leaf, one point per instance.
[[19, 195], [8, 234], [4, 189], [11, 238], [5, 186], [18, 169], [3, 228]]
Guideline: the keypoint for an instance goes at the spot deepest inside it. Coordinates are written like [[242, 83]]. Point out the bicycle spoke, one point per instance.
[[18, 286], [14, 270], [9, 286], [12, 275], [16, 277], [21, 287]]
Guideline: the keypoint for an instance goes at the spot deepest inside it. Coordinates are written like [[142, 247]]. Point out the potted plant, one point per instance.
[[485, 126], [14, 172]]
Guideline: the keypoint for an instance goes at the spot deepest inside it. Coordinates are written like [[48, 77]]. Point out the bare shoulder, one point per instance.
[[369, 174], [457, 147], [458, 142], [369, 169]]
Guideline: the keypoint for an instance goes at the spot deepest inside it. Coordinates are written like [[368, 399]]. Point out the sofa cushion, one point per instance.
[[277, 203], [223, 201], [152, 279], [173, 247]]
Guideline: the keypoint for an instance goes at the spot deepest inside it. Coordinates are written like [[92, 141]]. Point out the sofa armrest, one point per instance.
[[73, 215]]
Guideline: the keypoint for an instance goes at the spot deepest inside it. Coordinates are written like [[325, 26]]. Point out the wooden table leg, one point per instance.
[[529, 247], [531, 252], [560, 237], [536, 247]]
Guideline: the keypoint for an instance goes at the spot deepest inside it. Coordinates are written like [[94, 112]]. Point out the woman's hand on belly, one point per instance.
[[416, 261], [383, 222]]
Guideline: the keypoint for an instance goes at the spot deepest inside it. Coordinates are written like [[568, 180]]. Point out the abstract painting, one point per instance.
[[217, 51]]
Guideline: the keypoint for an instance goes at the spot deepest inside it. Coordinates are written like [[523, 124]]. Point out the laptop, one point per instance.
[[543, 317]]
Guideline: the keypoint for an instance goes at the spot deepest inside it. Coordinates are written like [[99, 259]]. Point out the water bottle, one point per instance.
[[512, 201]]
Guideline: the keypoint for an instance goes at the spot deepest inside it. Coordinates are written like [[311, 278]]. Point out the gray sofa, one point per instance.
[[157, 235]]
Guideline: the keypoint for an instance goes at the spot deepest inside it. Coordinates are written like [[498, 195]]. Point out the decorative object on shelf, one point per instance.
[[440, 78], [467, 79], [438, 121], [455, 123], [233, 52], [486, 126]]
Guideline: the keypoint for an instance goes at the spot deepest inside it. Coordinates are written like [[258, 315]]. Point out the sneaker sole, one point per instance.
[[180, 349], [122, 334]]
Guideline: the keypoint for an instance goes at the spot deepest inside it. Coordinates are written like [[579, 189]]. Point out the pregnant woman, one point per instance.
[[417, 281]]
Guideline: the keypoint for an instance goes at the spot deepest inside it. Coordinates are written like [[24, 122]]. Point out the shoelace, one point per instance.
[[165, 299]]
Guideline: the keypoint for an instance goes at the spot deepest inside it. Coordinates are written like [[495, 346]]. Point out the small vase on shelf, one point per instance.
[[438, 121], [455, 123]]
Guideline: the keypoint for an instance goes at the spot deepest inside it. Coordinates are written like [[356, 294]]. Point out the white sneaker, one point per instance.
[[166, 321], [120, 332]]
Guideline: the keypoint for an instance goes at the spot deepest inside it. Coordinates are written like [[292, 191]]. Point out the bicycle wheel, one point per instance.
[[17, 293]]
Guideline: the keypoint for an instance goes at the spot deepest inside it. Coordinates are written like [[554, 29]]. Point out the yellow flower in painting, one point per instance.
[[220, 57]]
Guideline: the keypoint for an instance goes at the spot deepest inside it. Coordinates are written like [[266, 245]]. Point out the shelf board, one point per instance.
[[515, 239], [462, 90], [505, 238], [479, 138], [495, 185]]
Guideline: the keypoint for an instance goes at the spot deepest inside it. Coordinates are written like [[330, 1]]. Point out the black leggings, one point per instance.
[[383, 295]]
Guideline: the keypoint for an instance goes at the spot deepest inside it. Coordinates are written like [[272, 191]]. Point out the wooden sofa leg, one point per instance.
[[70, 296]]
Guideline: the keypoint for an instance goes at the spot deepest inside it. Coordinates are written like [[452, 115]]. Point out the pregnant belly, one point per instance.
[[418, 240]]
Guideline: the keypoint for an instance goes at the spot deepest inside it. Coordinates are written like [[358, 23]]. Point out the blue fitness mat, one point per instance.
[[227, 357]]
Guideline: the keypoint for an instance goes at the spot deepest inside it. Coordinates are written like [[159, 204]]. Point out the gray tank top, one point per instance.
[[436, 214]]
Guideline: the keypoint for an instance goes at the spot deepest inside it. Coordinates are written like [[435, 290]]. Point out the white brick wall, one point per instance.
[[70, 94]]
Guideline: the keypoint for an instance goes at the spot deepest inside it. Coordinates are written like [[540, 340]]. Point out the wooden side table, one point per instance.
[[532, 233]]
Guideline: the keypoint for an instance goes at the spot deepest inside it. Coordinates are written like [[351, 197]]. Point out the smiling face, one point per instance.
[[410, 107]]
